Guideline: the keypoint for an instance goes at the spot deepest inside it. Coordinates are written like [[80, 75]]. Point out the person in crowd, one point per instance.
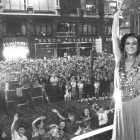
[[17, 135], [47, 78], [54, 79], [26, 82], [85, 123], [54, 83], [70, 121], [89, 87], [67, 96], [126, 83], [102, 118], [2, 135], [62, 84], [80, 88], [60, 130], [38, 131], [102, 115], [96, 87], [106, 87], [56, 133], [35, 81], [74, 90], [111, 89]]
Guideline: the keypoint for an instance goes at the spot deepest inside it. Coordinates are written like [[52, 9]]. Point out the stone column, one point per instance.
[[55, 49], [78, 48]]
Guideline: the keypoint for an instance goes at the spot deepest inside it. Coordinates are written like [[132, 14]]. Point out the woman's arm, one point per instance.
[[33, 123], [115, 37], [108, 111], [58, 114], [93, 107], [13, 124]]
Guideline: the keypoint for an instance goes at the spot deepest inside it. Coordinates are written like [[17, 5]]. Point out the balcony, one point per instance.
[[65, 34]]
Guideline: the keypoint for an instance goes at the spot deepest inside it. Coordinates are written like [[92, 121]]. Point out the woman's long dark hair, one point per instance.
[[123, 40], [84, 113]]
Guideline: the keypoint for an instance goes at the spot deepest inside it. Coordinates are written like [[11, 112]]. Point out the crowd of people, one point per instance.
[[74, 75], [66, 128], [67, 72]]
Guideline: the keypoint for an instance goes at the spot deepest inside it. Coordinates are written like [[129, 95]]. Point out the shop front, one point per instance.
[[15, 47], [64, 46]]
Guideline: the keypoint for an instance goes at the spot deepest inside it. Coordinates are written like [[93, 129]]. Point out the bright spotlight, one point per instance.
[[14, 52], [117, 95]]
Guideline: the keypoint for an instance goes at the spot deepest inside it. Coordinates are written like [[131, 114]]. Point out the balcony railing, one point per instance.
[[93, 133], [65, 34]]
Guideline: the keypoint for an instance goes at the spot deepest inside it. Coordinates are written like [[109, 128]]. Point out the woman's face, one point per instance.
[[131, 46], [21, 130], [41, 124], [101, 110], [62, 125], [86, 112]]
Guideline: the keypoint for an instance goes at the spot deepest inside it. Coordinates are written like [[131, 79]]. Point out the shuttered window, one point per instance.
[[36, 5], [87, 29], [15, 4], [15, 28], [7, 4], [43, 29], [44, 5]]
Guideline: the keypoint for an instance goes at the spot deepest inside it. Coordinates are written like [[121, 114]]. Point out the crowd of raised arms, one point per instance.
[[66, 128]]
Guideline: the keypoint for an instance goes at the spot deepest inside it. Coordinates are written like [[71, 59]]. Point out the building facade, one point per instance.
[[125, 26], [135, 16], [53, 28]]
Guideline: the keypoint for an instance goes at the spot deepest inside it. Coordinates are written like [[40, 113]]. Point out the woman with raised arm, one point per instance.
[[126, 84]]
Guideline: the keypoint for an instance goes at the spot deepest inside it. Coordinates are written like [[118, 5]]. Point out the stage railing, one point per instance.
[[56, 90], [93, 133]]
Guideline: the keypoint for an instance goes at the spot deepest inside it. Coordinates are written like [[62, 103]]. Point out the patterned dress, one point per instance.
[[127, 111]]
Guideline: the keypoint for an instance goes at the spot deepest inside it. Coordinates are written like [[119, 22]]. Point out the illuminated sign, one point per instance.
[[65, 40], [13, 41], [8, 44]]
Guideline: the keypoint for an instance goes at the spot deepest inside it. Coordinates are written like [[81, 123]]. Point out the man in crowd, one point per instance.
[[17, 135]]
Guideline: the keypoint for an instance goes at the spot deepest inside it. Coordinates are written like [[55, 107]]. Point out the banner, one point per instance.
[[66, 40]]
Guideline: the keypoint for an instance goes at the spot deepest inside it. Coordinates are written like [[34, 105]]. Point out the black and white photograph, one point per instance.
[[69, 69]]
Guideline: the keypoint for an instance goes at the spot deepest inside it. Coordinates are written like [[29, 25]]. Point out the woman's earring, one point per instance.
[[125, 53]]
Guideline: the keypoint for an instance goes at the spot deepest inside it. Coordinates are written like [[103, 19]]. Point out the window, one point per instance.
[[15, 4], [91, 6], [65, 5], [57, 3], [70, 6], [110, 7], [43, 5], [136, 23], [42, 29], [66, 27], [90, 9], [87, 29], [107, 30], [132, 24], [15, 28]]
